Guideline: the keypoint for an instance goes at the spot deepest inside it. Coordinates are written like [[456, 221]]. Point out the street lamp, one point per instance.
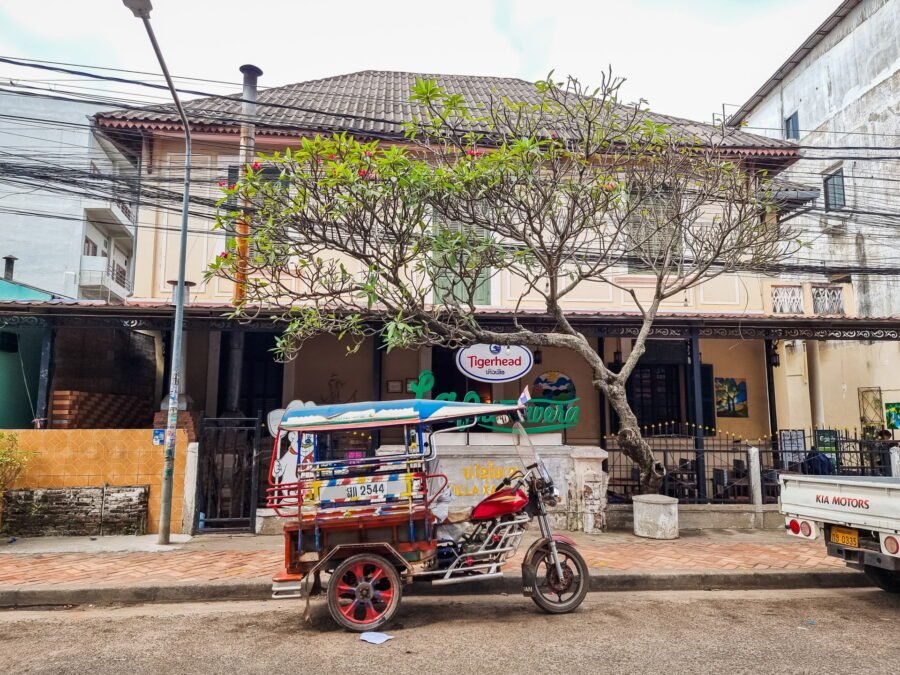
[[141, 9]]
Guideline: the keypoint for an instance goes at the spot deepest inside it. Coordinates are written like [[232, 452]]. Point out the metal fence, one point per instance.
[[716, 469]]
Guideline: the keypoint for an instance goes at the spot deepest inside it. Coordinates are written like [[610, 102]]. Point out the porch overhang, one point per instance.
[[213, 317]]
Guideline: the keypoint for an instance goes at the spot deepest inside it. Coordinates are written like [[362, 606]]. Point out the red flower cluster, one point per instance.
[[223, 255], [474, 153], [368, 153], [256, 166]]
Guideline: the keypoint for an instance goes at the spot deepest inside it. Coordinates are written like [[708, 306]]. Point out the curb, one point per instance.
[[260, 589]]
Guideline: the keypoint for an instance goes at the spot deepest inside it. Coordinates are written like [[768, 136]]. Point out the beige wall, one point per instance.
[[741, 359], [157, 245], [845, 367], [324, 372]]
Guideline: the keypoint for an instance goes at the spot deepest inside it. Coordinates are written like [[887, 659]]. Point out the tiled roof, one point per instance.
[[376, 103]]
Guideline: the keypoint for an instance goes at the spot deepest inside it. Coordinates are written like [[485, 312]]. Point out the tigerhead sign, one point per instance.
[[494, 363]]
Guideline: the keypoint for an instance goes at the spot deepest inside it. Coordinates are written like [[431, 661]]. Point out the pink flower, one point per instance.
[[611, 186], [368, 153], [233, 186], [257, 166], [222, 183], [363, 173], [331, 156], [474, 153], [223, 255]]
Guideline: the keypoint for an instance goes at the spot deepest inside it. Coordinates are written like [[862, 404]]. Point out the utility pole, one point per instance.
[[247, 150], [141, 9]]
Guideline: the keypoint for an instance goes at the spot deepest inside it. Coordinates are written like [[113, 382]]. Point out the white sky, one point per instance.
[[686, 57]]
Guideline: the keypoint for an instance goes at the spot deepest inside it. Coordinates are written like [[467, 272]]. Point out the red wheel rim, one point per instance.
[[364, 592]]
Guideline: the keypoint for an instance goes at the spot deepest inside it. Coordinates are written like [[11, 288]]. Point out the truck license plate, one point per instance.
[[845, 536]]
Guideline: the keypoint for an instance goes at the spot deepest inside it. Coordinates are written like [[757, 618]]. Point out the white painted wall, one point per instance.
[[45, 229], [847, 93]]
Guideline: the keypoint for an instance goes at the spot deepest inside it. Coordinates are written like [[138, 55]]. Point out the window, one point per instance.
[[834, 191], [792, 126], [90, 248], [453, 289], [651, 232]]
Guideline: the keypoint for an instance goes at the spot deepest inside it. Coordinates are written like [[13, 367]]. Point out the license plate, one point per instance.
[[845, 536], [362, 491]]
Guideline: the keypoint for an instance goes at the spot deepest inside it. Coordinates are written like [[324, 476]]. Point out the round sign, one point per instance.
[[494, 363]]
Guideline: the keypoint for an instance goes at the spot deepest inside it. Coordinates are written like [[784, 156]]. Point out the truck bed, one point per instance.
[[867, 502]]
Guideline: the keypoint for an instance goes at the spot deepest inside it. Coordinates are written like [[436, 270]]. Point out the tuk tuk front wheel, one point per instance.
[[364, 592], [557, 595]]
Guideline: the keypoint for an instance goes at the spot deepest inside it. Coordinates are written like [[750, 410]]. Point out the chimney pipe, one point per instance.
[[10, 265]]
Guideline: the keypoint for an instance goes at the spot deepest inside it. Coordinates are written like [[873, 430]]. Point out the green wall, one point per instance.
[[17, 400], [10, 290]]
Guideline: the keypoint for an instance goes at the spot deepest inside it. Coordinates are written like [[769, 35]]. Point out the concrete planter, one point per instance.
[[655, 516]]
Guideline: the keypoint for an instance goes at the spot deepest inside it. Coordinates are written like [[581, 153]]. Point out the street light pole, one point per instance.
[[141, 9]]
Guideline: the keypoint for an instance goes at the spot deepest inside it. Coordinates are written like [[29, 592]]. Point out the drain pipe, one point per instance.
[[236, 337]]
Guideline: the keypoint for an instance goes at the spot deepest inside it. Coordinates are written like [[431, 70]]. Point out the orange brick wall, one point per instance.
[[93, 457]]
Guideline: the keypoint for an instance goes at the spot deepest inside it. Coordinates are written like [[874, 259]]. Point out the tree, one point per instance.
[[560, 192], [12, 463]]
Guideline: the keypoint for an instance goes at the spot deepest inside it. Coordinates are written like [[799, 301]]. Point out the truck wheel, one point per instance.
[[886, 580], [364, 592]]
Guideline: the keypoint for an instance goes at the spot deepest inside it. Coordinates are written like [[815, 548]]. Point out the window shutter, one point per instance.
[[449, 291]]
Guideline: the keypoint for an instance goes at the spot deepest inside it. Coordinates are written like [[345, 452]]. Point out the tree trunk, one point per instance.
[[631, 442]]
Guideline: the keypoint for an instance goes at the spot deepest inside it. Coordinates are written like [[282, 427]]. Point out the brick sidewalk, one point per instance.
[[614, 552]]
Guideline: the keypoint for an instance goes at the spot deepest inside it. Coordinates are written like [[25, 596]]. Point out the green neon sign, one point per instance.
[[541, 415]]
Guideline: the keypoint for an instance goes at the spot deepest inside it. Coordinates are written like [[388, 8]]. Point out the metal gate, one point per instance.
[[228, 473]]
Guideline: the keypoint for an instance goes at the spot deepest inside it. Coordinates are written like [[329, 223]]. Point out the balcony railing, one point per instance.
[[828, 300], [102, 277], [787, 299]]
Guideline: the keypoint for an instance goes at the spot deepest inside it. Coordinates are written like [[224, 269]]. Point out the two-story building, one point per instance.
[[714, 367]]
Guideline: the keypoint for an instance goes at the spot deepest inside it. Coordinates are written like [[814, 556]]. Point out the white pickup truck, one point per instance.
[[859, 517]]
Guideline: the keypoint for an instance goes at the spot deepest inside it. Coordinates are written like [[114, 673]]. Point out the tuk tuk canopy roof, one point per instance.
[[371, 414]]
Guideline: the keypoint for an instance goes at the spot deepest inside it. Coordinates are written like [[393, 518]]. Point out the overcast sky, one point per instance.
[[686, 57]]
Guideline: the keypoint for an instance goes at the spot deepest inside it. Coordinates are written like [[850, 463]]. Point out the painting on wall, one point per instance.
[[892, 415], [553, 386], [731, 397]]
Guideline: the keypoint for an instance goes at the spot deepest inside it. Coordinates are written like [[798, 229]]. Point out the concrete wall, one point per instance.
[[49, 245], [846, 92], [94, 458]]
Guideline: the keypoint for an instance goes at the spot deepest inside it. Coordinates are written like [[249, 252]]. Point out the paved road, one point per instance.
[[673, 632]]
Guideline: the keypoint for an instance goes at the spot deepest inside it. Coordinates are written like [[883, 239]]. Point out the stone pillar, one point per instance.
[[816, 404], [895, 462], [755, 474], [189, 503]]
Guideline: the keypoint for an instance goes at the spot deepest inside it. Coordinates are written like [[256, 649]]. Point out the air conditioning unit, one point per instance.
[[833, 225]]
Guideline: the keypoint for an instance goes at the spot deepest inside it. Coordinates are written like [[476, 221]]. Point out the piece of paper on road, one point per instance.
[[375, 638]]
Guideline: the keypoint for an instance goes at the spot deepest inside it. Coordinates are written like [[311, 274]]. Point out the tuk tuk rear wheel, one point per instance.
[[364, 592]]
